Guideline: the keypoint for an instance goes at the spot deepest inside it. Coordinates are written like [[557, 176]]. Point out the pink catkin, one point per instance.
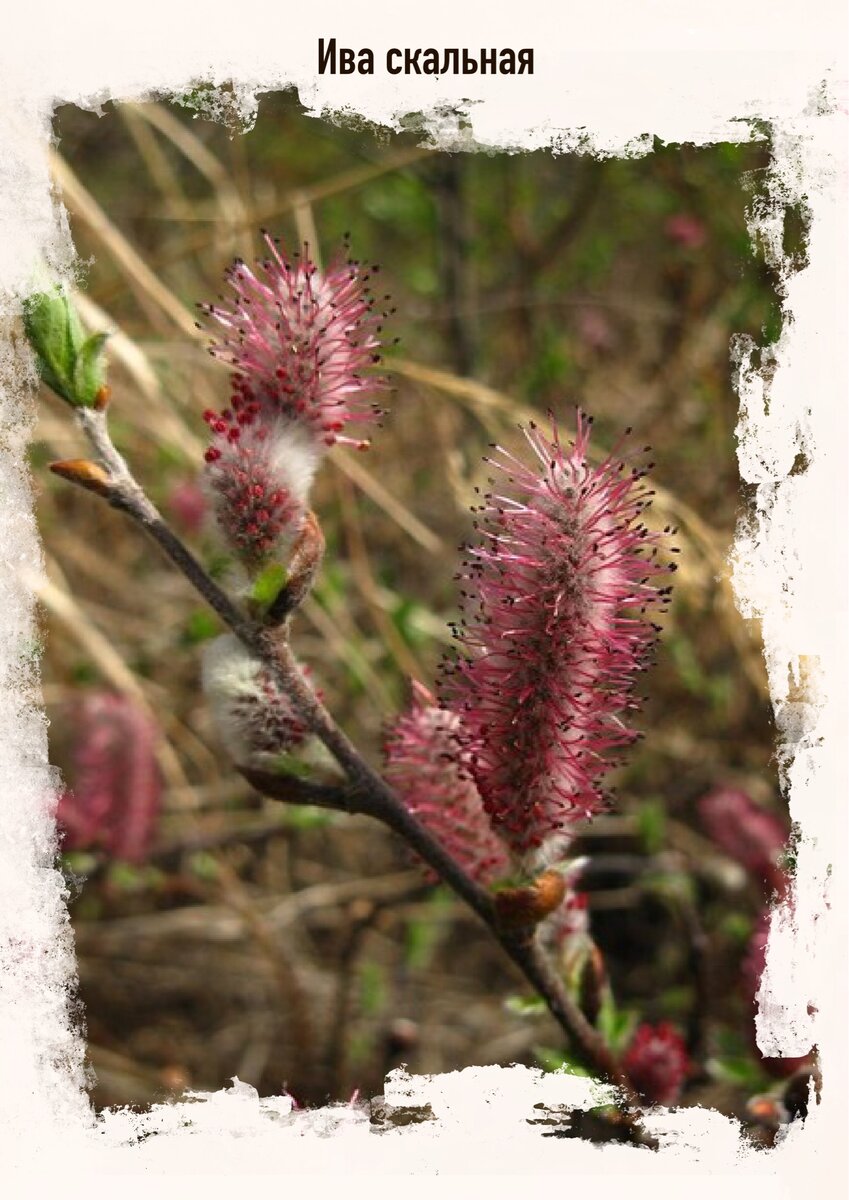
[[656, 1063], [748, 833], [253, 716], [257, 506], [431, 775], [116, 797], [555, 633], [302, 343]]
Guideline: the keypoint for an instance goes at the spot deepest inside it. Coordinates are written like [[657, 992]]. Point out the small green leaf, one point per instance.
[[218, 563], [419, 940], [651, 822], [268, 585], [741, 1071], [90, 369], [68, 363], [287, 764], [204, 865], [556, 1060], [127, 876], [80, 862], [525, 1006], [615, 1025], [736, 926], [200, 627], [372, 988], [306, 816]]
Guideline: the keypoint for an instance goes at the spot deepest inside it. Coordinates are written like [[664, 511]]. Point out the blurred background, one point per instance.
[[221, 935]]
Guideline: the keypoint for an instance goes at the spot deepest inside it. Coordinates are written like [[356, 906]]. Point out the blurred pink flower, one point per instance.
[[686, 230], [430, 773], [656, 1063], [188, 504], [555, 634], [117, 789], [594, 329], [748, 833]]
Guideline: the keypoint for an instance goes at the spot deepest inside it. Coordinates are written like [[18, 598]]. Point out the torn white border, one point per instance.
[[611, 77]]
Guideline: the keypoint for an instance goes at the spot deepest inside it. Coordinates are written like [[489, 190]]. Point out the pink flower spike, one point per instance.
[[430, 773], [656, 1063], [303, 343], [258, 484], [116, 798], [751, 835], [555, 633]]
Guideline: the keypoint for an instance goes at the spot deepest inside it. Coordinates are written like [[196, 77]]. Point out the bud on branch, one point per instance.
[[85, 473]]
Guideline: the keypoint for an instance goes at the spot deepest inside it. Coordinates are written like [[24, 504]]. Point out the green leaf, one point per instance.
[[556, 1060], [67, 362], [200, 627], [80, 862], [615, 1025], [218, 563], [268, 585], [287, 764], [204, 865], [420, 938], [305, 816], [651, 822], [743, 1072], [372, 988], [128, 877], [90, 369], [737, 927], [525, 1006]]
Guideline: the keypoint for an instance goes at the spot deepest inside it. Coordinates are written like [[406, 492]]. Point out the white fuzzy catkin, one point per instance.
[[253, 717]]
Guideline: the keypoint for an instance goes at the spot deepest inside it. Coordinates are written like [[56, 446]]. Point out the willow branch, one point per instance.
[[366, 791]]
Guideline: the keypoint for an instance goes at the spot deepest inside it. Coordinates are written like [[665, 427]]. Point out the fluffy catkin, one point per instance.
[[555, 632], [253, 717], [303, 344], [430, 773]]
